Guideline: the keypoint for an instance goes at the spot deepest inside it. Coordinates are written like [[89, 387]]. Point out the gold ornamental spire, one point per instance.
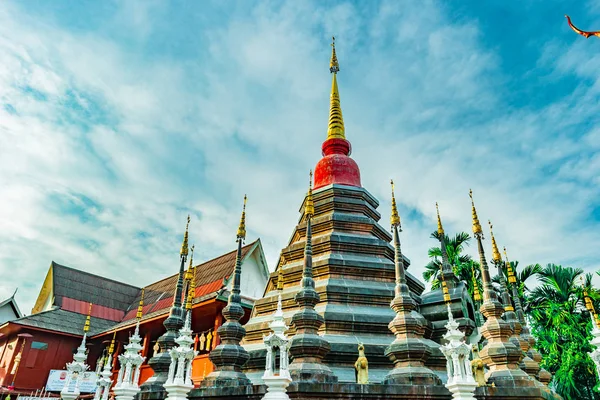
[[476, 225], [191, 290], [86, 326], [184, 245], [476, 293], [444, 285], [336, 129], [188, 273], [280, 278], [509, 271], [440, 227], [241, 232], [111, 348], [589, 305], [309, 207], [140, 306], [395, 218], [495, 252]]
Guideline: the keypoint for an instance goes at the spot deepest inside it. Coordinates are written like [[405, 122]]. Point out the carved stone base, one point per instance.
[[276, 387], [462, 390], [126, 393], [69, 395], [177, 391]]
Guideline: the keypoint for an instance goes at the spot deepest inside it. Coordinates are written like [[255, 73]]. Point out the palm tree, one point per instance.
[[462, 264], [562, 327]]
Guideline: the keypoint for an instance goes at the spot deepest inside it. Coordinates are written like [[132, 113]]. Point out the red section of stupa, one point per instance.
[[336, 166]]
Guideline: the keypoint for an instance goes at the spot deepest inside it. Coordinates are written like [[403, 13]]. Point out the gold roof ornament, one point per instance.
[[335, 129], [309, 206], [395, 218], [509, 270], [241, 232], [440, 228], [86, 326], [184, 245], [585, 34], [188, 274], [476, 293], [140, 306], [280, 278], [445, 291], [476, 225], [111, 348], [191, 290], [495, 252]]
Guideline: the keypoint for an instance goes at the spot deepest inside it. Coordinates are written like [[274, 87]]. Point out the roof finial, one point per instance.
[[280, 278], [184, 245], [495, 253], [86, 326], [336, 128], [140, 306], [445, 291], [309, 207], [395, 218], [191, 287], [188, 273], [476, 225], [111, 348], [440, 227], [241, 232], [476, 293], [509, 271]]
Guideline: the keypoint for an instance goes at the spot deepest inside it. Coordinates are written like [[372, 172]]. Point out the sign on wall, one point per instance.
[[57, 379]]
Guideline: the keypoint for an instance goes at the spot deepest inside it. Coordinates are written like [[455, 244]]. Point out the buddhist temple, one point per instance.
[[342, 282]]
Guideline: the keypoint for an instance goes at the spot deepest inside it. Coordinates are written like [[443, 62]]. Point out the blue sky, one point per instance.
[[119, 118]]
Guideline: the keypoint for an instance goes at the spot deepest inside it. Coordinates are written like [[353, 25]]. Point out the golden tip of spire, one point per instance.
[[476, 225], [280, 278], [334, 66], [184, 245], [111, 348], [241, 232], [188, 273], [509, 270], [191, 289], [395, 218], [476, 293], [440, 228], [495, 252], [309, 205], [86, 326], [140, 306]]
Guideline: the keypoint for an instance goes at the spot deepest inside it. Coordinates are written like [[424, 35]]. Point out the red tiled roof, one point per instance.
[[98, 311]]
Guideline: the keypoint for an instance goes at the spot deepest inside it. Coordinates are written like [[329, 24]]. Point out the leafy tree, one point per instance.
[[562, 328]]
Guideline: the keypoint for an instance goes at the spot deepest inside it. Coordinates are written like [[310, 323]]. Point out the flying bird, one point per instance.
[[582, 33]]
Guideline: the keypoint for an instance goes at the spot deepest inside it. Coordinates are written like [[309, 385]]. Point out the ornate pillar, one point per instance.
[[277, 382], [77, 367], [179, 381]]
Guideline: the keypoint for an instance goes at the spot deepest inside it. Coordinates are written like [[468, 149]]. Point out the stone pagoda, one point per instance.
[[78, 366]]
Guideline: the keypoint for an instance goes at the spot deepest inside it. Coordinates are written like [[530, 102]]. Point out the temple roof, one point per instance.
[[64, 321]]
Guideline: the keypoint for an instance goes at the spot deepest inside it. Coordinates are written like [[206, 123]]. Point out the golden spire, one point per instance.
[[86, 326], [476, 294], [188, 273], [476, 225], [191, 290], [184, 245], [509, 271], [336, 121], [395, 218], [280, 278], [440, 227], [444, 285], [495, 252], [140, 306], [111, 348], [241, 232], [589, 305], [309, 207]]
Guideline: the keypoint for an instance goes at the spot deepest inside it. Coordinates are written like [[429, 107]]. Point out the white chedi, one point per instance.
[[179, 379], [130, 361], [104, 381], [75, 370], [460, 377], [277, 381], [595, 354]]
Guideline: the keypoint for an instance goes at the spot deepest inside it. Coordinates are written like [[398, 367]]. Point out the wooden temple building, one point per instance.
[[344, 282], [32, 345]]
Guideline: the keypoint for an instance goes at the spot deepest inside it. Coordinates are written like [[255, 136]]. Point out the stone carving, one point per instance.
[[362, 366], [179, 379], [75, 370], [104, 381], [127, 385], [478, 367]]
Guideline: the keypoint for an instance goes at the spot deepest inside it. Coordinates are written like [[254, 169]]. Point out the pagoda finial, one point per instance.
[[280, 278], [86, 326], [184, 245], [440, 229], [188, 273], [495, 253], [140, 306], [476, 225], [509, 271], [336, 121], [309, 207], [476, 293], [395, 218], [191, 290], [445, 291], [111, 348], [241, 232]]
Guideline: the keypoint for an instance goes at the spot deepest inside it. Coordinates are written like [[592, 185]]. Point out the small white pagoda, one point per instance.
[[77, 367], [128, 379], [104, 381], [460, 377], [277, 380]]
